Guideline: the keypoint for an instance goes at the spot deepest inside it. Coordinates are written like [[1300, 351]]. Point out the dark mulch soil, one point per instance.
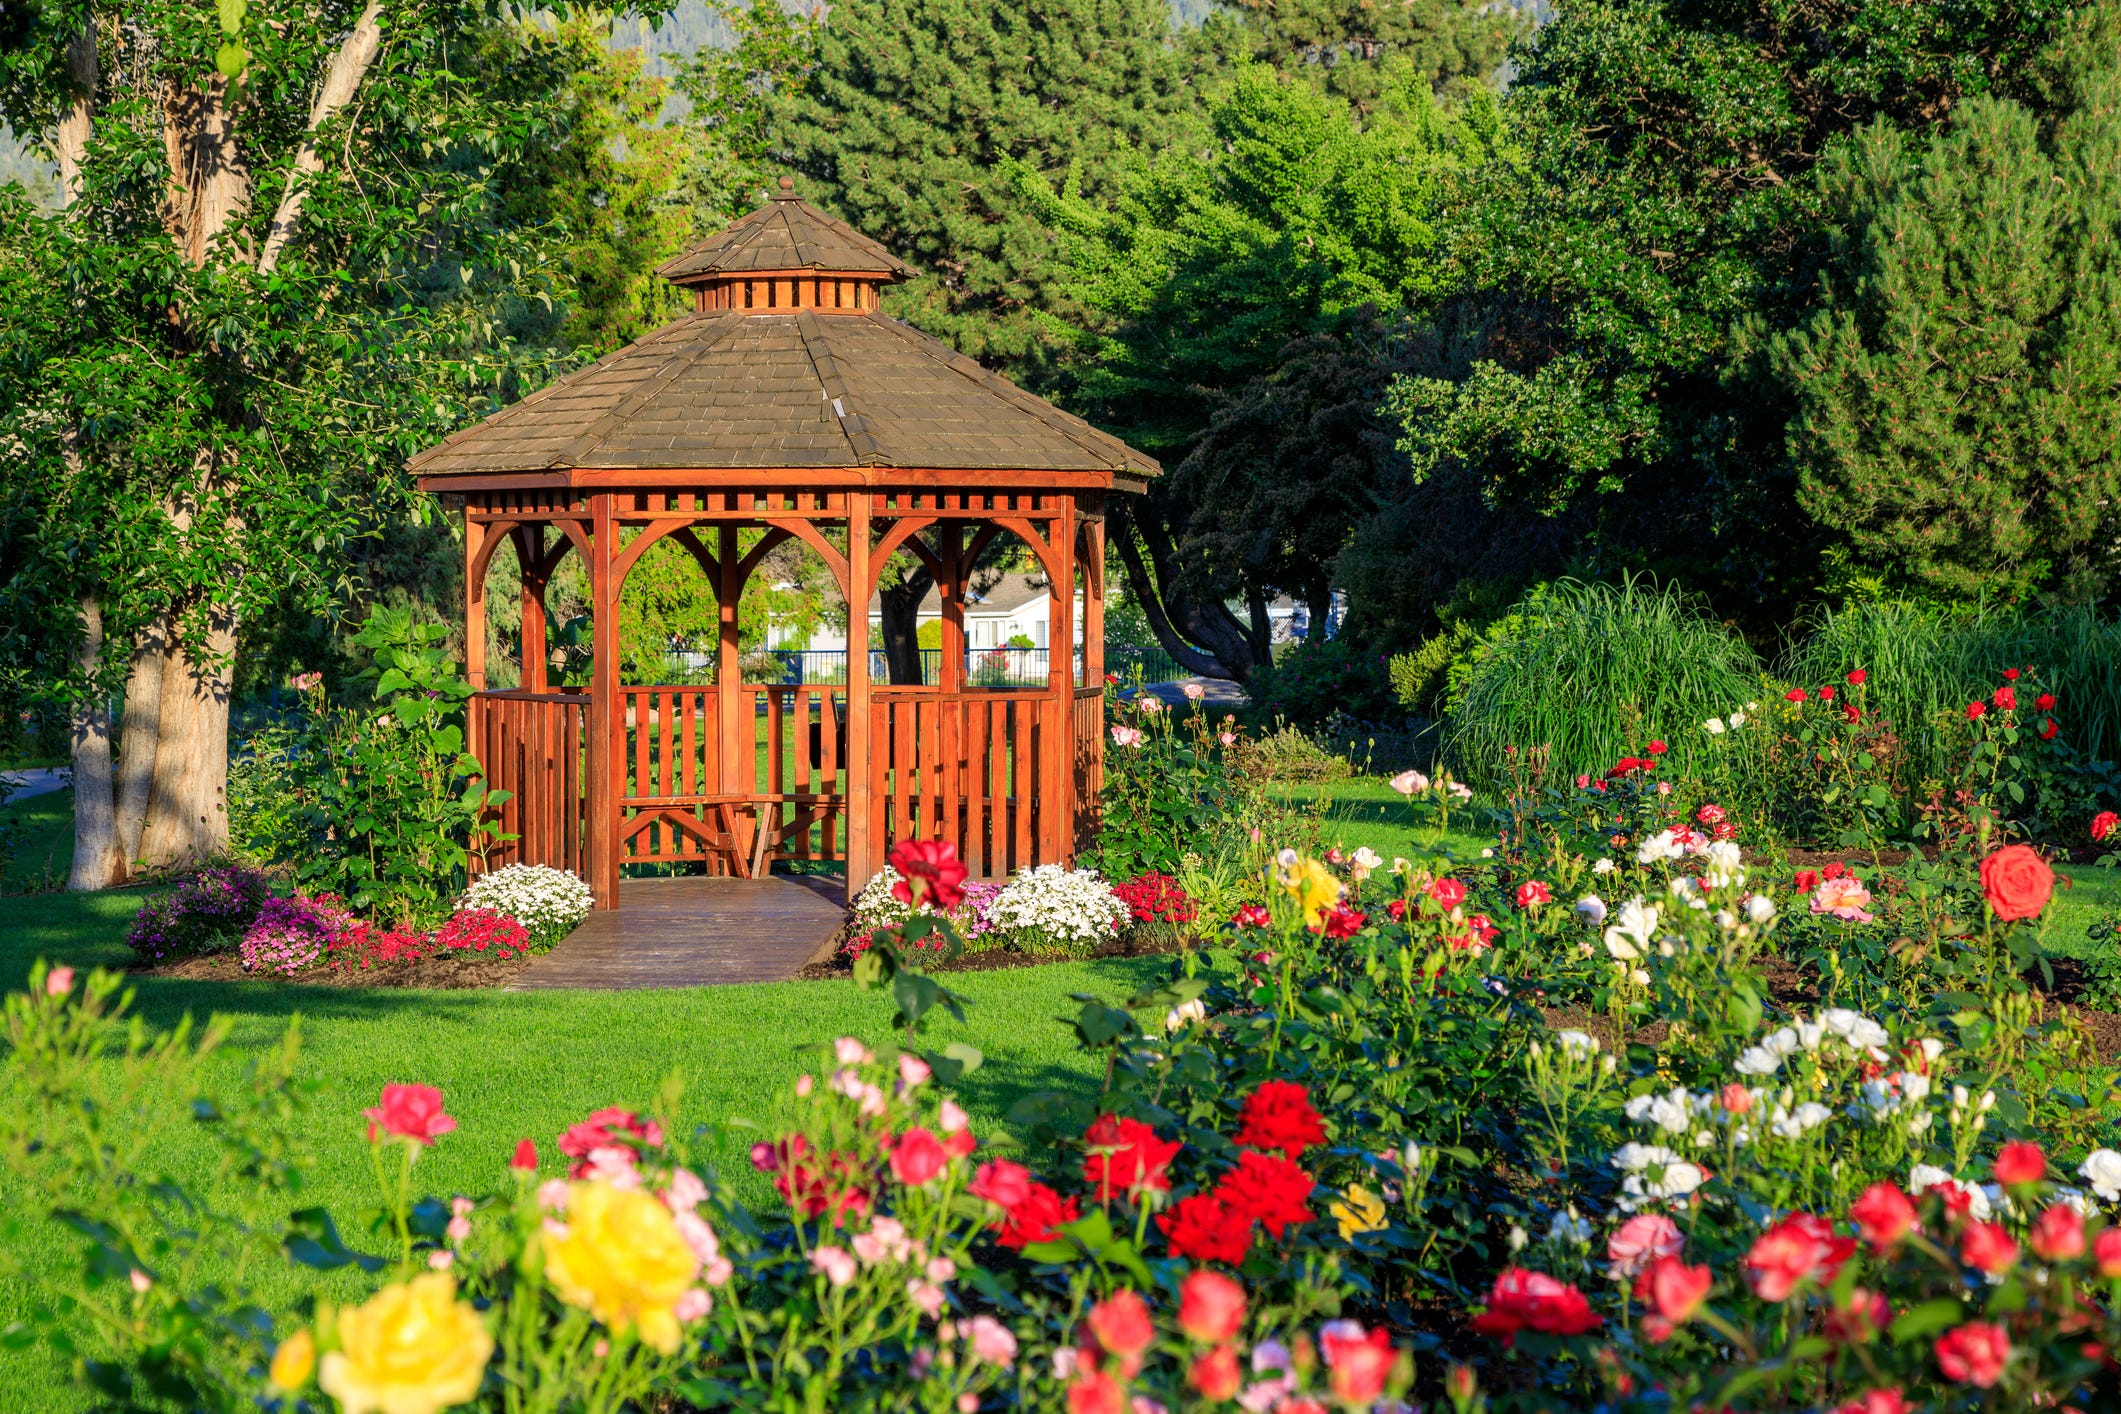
[[1890, 858], [1001, 959], [455, 971]]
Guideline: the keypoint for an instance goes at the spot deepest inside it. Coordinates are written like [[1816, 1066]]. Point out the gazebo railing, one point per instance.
[[530, 745]]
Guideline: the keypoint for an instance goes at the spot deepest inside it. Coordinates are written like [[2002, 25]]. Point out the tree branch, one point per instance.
[[348, 68]]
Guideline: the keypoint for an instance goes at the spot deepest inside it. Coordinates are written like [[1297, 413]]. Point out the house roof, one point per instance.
[[787, 233], [781, 389]]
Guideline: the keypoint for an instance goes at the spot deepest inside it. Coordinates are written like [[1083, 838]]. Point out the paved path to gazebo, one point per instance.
[[693, 932]]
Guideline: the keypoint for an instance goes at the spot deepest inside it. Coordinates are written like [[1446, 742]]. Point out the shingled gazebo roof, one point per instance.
[[783, 387]]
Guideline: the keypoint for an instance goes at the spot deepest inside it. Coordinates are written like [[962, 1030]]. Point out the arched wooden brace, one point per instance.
[[902, 531], [807, 532], [622, 563]]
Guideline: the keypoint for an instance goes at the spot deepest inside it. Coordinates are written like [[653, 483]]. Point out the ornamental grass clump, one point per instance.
[[1053, 907], [549, 903], [205, 912]]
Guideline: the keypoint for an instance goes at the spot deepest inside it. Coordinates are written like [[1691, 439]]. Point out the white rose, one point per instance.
[[2102, 1170]]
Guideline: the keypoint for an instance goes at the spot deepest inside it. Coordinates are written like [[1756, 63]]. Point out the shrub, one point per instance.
[[288, 936], [1311, 682], [205, 912], [1053, 906], [1167, 783], [1287, 754], [1586, 670], [549, 903]]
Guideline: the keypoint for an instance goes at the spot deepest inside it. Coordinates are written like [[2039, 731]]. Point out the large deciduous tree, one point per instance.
[[276, 272]]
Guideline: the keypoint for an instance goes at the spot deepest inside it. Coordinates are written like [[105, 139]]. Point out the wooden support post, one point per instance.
[[1094, 603], [950, 541], [1057, 786], [475, 534], [860, 847], [605, 767], [530, 555], [739, 774]]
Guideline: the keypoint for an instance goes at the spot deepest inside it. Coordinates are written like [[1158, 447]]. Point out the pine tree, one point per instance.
[[1958, 395]]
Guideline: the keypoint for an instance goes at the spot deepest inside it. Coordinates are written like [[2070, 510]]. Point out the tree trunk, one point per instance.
[[187, 820], [97, 862], [1204, 637], [901, 611], [141, 740]]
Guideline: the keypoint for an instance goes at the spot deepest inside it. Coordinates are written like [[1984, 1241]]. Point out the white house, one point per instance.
[[1013, 607]]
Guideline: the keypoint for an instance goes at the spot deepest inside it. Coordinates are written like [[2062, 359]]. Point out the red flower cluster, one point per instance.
[[1264, 1188], [1124, 1156], [1974, 1354], [930, 872], [840, 1185], [1627, 765], [1156, 898], [1252, 915], [1341, 921], [363, 946], [614, 1128], [1278, 1115], [1030, 1210], [1527, 1300], [481, 930], [1798, 1250]]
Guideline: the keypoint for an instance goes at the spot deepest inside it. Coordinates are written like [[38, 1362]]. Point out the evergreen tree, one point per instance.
[[1958, 395], [915, 105], [1453, 45]]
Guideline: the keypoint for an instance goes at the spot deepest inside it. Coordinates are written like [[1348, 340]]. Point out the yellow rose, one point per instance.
[[1313, 887], [623, 1260], [293, 1362], [412, 1349], [1359, 1210]]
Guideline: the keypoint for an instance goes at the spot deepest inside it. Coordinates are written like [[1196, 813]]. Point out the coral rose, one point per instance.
[[1974, 1354], [2057, 1235], [2017, 881], [1211, 1308], [1986, 1247], [411, 1112], [621, 1257], [1638, 1242], [1278, 1115], [412, 1348], [1358, 1363], [1121, 1325], [2019, 1161], [1674, 1290], [1883, 1215], [1799, 1249], [2106, 1252], [918, 1157], [1095, 1392], [1524, 1299], [1216, 1375], [1002, 1183]]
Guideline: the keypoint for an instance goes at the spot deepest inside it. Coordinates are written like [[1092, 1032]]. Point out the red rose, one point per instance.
[[1211, 1308], [2103, 825], [1533, 1300], [1798, 1250], [2048, 730], [1986, 1247], [2017, 881], [1710, 815], [917, 1158], [1270, 1189], [1796, 694], [526, 1156], [1120, 1325], [1341, 921], [1358, 1363], [612, 1128], [1396, 910], [1877, 1401], [1095, 1392], [2005, 698], [1125, 1156], [411, 1112], [1884, 1215], [1002, 1183], [1448, 893], [1216, 1375], [1531, 893], [2010, 674], [1657, 748], [1203, 1228], [1252, 915], [1826, 694], [1975, 710], [1278, 1115], [1857, 677], [1834, 870], [1806, 881], [2045, 702], [2019, 1162], [1860, 1321], [2057, 1234], [1034, 1218], [2106, 1251], [1973, 1354], [929, 871], [1850, 712], [1674, 1290]]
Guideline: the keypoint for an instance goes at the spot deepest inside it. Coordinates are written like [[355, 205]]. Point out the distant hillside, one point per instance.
[[22, 162]]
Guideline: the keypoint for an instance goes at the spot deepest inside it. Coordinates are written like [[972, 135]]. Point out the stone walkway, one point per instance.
[[1216, 693], [694, 932]]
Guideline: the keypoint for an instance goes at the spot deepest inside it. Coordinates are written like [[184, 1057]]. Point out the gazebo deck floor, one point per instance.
[[695, 932]]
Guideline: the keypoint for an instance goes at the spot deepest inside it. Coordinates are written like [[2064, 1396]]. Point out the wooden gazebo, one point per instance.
[[786, 403]]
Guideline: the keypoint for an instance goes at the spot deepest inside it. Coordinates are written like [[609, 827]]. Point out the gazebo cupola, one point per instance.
[[787, 255], [786, 406]]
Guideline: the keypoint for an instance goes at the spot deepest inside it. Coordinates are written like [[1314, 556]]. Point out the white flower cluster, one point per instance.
[[1066, 905], [1715, 726], [874, 907], [549, 903], [1857, 1031], [1654, 1173]]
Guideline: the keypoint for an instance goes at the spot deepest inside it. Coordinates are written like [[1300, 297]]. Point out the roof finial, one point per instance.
[[787, 191]]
